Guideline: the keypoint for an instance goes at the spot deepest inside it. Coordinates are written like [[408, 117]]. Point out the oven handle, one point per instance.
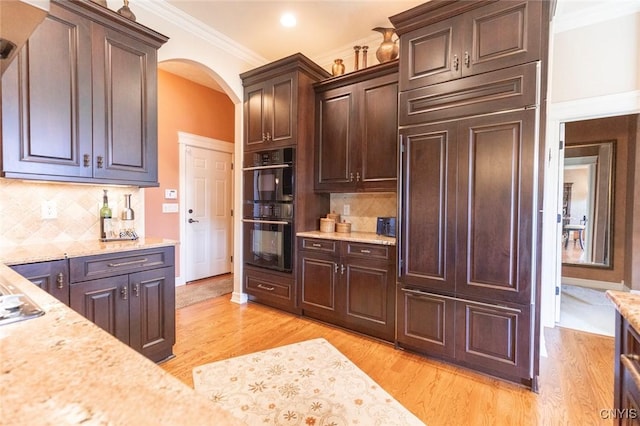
[[272, 166], [274, 222]]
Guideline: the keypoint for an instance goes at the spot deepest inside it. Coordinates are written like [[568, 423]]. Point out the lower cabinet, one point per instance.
[[348, 284], [131, 295], [52, 277], [490, 338], [626, 399]]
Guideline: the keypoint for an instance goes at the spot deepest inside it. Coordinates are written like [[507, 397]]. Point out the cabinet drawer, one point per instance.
[[257, 284], [106, 265], [368, 250], [318, 244]]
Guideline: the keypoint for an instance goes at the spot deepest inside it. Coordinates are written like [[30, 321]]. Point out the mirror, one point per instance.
[[587, 206]]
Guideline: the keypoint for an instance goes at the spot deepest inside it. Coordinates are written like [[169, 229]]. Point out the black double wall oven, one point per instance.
[[268, 214]]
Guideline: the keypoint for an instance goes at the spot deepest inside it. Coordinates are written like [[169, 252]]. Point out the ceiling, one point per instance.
[[323, 27]]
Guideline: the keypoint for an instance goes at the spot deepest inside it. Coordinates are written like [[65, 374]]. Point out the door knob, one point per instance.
[[193, 220]]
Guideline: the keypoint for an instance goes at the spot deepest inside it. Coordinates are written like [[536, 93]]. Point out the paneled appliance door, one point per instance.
[[268, 244]]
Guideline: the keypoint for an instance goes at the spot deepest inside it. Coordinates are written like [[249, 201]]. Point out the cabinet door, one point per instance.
[[494, 339], [270, 113], [336, 131], [426, 322], [52, 277], [370, 297], [124, 107], [432, 54], [152, 306], [501, 35], [105, 302], [427, 230], [378, 112], [47, 101], [495, 206], [318, 275], [255, 105]]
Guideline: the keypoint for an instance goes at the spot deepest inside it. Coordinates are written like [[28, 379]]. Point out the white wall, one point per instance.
[[594, 71]]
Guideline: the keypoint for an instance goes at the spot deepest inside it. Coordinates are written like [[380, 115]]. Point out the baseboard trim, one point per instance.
[[599, 285], [239, 298]]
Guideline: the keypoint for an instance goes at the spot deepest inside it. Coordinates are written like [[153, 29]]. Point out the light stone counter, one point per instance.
[[57, 250], [628, 304], [359, 237], [61, 369]]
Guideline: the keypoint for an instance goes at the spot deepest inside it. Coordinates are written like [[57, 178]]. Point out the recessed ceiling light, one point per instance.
[[288, 19]]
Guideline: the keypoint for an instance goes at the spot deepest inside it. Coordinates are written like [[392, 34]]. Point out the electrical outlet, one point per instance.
[[49, 210], [346, 210]]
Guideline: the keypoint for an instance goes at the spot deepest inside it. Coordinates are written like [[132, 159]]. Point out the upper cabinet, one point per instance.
[[356, 131], [495, 36], [276, 102], [79, 104]]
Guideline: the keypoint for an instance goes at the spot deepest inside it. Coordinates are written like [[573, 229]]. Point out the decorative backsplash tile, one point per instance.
[[364, 209], [77, 211]]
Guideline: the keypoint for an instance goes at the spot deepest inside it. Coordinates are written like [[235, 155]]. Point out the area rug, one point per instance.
[[193, 293], [307, 383]]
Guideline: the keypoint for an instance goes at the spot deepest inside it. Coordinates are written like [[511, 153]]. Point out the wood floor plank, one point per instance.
[[576, 380]]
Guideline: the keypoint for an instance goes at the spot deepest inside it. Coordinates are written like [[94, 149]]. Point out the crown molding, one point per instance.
[[197, 28], [592, 14]]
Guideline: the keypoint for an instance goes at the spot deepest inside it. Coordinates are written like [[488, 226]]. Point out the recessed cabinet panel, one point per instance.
[[495, 169], [124, 126], [429, 176], [334, 147], [283, 105], [51, 276], [380, 126], [47, 98], [494, 337], [254, 111], [426, 322], [318, 283], [367, 293]]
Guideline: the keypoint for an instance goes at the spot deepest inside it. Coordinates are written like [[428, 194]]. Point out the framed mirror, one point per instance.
[[587, 208]]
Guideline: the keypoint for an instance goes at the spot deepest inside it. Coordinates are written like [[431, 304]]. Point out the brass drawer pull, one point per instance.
[[133, 262], [264, 287]]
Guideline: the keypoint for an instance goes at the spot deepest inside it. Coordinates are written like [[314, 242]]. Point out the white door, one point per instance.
[[207, 213], [559, 224]]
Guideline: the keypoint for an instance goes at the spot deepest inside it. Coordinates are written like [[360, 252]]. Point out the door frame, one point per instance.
[[186, 140], [558, 113]]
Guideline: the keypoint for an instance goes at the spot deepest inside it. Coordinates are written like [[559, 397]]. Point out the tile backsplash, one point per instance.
[[364, 208], [77, 211]]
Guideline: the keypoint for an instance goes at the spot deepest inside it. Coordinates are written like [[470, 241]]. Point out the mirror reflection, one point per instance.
[[588, 204]]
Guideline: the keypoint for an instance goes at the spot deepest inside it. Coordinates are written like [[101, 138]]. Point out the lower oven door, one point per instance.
[[268, 243]]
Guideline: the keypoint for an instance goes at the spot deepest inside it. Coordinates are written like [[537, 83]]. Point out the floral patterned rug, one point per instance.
[[307, 383]]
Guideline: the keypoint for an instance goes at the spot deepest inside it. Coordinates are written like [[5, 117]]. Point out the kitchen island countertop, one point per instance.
[[61, 369], [359, 237], [628, 304], [63, 250]]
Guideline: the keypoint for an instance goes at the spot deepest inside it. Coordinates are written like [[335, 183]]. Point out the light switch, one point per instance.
[[170, 207]]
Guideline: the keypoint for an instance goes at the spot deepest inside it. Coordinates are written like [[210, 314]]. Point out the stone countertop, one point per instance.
[[61, 369], [628, 304], [57, 250], [359, 237]]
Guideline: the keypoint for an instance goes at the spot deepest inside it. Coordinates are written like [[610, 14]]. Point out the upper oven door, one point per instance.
[[272, 183]]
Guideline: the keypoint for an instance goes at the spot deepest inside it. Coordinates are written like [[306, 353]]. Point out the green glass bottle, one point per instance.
[[105, 217]]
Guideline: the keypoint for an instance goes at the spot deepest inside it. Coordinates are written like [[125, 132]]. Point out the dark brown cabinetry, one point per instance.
[[470, 86], [277, 109], [499, 35], [79, 102], [626, 396], [131, 295], [52, 277], [348, 284], [356, 133]]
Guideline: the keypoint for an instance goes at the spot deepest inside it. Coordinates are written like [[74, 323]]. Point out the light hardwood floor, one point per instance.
[[576, 380]]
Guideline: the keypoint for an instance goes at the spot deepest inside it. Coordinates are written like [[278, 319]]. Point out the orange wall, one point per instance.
[[183, 106]]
